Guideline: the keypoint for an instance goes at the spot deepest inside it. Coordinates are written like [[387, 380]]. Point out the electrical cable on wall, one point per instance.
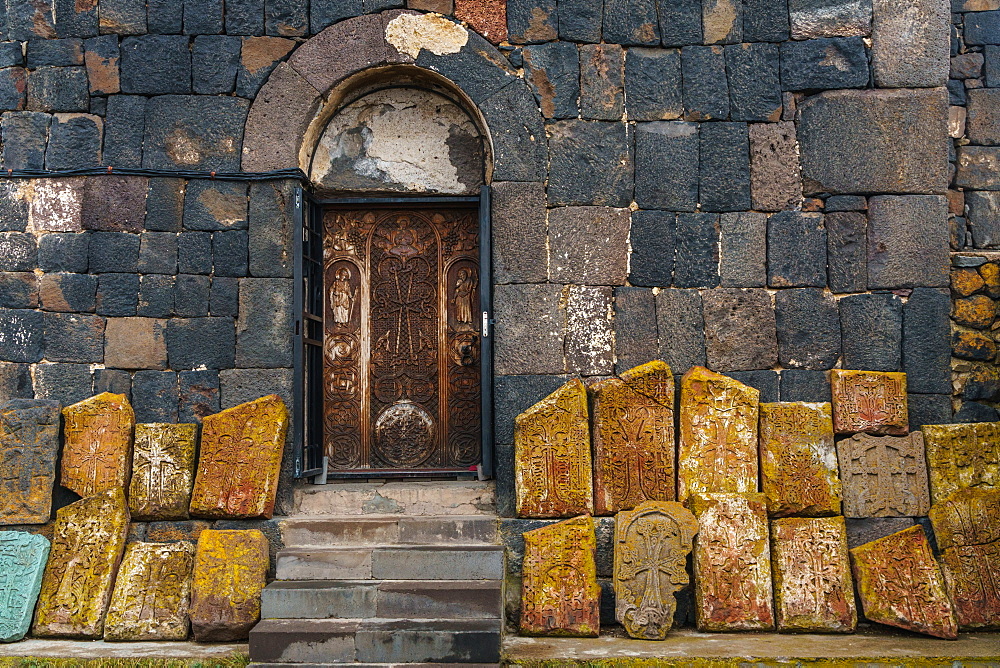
[[279, 174]]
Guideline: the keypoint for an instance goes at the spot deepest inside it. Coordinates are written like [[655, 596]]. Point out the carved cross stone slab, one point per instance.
[[633, 436], [240, 459], [22, 561], [87, 545], [901, 585], [230, 571], [162, 471], [967, 528], [718, 444], [812, 578], [152, 593], [97, 453], [870, 401], [884, 476], [559, 592], [798, 462], [651, 547], [552, 470], [961, 456], [29, 445], [732, 563]]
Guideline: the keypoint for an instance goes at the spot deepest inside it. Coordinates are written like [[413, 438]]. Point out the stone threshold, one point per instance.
[[689, 648], [98, 649]]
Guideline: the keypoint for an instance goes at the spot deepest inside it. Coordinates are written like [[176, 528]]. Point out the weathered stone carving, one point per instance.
[[901, 585], [633, 436], [560, 595], [162, 471], [812, 578], [718, 445], [240, 459], [651, 547], [798, 462], [884, 476], [732, 563], [87, 546], [152, 593], [960, 456], [29, 445], [552, 455], [870, 401], [22, 562], [229, 573], [97, 452]]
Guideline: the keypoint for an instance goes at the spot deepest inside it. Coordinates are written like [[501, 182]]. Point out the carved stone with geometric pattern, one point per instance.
[[97, 452], [798, 462], [873, 402], [162, 471], [633, 434], [884, 476], [732, 563], [22, 562], [230, 570], [961, 456], [900, 584], [552, 469], [29, 446], [240, 459], [152, 593]]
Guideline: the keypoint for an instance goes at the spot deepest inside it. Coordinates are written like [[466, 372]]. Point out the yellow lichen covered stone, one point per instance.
[[961, 456], [162, 471], [152, 593], [230, 571], [97, 447]]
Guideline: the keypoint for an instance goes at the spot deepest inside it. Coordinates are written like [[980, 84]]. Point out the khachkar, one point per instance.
[[812, 578], [732, 563], [870, 401], [884, 476], [961, 456], [651, 547], [22, 561], [229, 573], [240, 460], [718, 444], [97, 452], [798, 461], [552, 455], [967, 528], [29, 446], [900, 584], [162, 471], [87, 544], [152, 593], [633, 435], [559, 592]]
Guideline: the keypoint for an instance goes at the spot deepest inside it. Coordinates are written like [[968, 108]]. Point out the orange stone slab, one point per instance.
[[240, 459], [960, 456], [900, 584], [29, 446], [559, 591], [732, 563], [967, 517], [798, 461], [152, 593], [651, 547], [87, 545], [97, 448], [162, 471], [812, 578], [552, 473], [884, 476], [870, 401], [718, 443], [633, 435], [230, 570]]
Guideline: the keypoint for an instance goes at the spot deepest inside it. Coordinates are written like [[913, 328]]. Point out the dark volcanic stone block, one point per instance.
[[74, 337], [631, 22], [591, 163], [225, 296], [10, 53], [272, 227], [165, 17], [796, 250], [553, 70], [872, 329], [724, 170], [696, 261], [706, 93], [154, 396], [258, 58], [165, 205], [804, 385], [653, 84], [18, 251], [155, 65], [265, 320], [203, 17], [158, 253], [972, 411], [744, 250], [156, 296], [54, 52], [589, 344], [209, 127], [246, 17], [286, 18], [927, 409], [680, 324], [908, 244], [116, 381], [18, 289], [103, 56], [122, 17], [201, 342], [117, 294], [191, 295], [847, 251], [529, 330], [20, 335], [58, 89], [215, 205], [588, 245], [72, 293], [214, 60], [666, 143], [838, 203], [71, 18], [199, 394], [982, 27], [74, 142], [15, 381], [680, 22], [740, 330], [520, 248], [722, 21], [652, 241], [754, 85], [580, 20], [23, 135], [230, 253], [808, 324], [65, 383], [64, 251], [984, 217], [635, 327], [765, 381], [113, 252], [926, 341], [530, 21], [514, 395], [124, 124], [829, 62], [194, 253], [602, 82], [478, 68], [13, 84], [765, 20]]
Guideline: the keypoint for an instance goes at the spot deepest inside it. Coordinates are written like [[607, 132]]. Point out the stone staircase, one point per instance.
[[400, 573]]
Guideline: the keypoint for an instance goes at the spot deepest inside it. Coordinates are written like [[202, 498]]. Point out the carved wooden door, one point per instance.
[[401, 350]]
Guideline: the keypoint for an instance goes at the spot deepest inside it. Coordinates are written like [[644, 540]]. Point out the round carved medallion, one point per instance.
[[404, 434]]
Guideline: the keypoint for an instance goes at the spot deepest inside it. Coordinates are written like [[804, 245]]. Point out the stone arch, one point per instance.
[[302, 94]]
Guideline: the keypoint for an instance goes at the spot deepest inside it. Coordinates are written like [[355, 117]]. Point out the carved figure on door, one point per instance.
[[342, 297]]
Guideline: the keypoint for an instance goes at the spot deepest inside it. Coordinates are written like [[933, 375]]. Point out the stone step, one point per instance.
[[391, 599], [376, 641], [410, 498], [354, 530], [392, 562], [376, 665]]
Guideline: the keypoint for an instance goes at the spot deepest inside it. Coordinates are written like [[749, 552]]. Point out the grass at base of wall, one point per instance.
[[237, 661]]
